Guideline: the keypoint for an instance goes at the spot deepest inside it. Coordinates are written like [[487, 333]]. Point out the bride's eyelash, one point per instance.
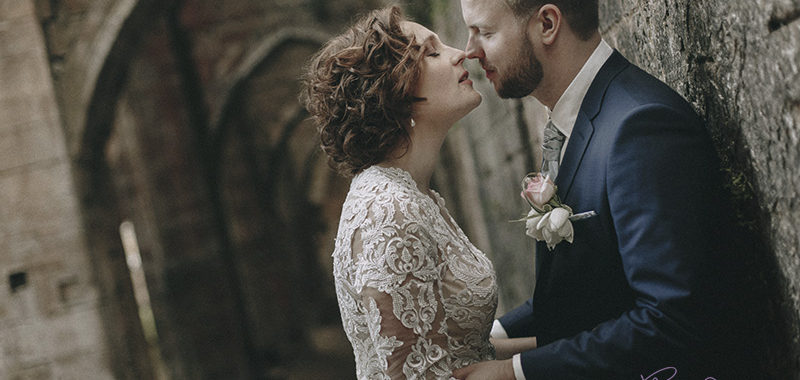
[[430, 49]]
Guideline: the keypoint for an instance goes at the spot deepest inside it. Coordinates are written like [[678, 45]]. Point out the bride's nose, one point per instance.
[[458, 57]]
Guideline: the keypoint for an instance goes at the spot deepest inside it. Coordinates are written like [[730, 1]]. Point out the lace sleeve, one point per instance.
[[398, 278]]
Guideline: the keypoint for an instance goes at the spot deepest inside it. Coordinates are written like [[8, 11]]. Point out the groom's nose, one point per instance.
[[473, 49]]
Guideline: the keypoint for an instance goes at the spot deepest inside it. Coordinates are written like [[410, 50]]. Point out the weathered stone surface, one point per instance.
[[50, 312], [31, 119]]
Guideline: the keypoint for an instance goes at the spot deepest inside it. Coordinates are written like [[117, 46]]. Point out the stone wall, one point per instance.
[[51, 309]]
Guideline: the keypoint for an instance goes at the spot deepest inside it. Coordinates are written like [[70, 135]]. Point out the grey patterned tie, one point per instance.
[[551, 149]]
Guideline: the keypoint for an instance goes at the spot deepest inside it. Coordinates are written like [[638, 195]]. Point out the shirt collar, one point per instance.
[[565, 112]]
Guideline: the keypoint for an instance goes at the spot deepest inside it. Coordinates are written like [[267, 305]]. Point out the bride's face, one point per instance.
[[443, 81]]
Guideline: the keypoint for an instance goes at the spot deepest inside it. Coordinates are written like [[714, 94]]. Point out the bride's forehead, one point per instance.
[[419, 32]]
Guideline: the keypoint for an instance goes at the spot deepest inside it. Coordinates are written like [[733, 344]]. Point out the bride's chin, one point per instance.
[[478, 100], [465, 107]]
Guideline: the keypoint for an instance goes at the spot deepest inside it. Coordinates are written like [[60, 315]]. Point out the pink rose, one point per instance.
[[538, 190]]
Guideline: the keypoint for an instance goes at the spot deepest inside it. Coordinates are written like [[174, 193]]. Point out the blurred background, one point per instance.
[[166, 213]]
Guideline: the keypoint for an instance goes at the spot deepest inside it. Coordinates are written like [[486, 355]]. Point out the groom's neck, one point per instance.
[[560, 64]]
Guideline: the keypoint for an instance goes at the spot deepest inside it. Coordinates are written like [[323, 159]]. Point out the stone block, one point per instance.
[[28, 143], [83, 365], [41, 340], [16, 36], [41, 202], [26, 74], [46, 288], [12, 9], [36, 372], [611, 11], [44, 9], [17, 304], [29, 250]]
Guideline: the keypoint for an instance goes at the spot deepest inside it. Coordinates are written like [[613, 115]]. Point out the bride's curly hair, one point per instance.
[[359, 89]]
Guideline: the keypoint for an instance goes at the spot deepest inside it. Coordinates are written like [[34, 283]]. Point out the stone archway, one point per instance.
[[153, 146], [221, 112], [270, 175], [198, 335], [120, 168], [88, 124]]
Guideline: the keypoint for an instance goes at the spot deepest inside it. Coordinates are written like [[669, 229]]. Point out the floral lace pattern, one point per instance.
[[417, 299]]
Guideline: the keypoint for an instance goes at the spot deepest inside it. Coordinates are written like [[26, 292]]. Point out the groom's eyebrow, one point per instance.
[[477, 26], [478, 22]]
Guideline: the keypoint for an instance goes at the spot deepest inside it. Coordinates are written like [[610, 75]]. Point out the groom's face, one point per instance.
[[497, 39]]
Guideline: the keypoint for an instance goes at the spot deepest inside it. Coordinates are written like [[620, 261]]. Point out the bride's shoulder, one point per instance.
[[380, 189], [381, 182]]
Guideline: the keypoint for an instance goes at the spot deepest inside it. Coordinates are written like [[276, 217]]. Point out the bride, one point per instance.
[[417, 299]]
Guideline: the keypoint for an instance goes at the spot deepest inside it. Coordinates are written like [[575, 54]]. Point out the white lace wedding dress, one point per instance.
[[417, 298]]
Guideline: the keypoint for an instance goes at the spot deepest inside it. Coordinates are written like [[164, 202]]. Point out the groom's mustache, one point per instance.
[[486, 66]]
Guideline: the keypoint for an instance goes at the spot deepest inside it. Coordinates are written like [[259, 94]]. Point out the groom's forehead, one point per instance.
[[484, 12]]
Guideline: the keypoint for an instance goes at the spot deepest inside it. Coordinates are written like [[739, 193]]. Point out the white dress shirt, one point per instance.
[[563, 116]]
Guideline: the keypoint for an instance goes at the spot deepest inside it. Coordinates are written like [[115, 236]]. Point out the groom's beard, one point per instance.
[[525, 73]]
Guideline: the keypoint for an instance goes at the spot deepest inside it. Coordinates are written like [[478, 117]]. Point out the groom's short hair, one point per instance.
[[581, 15]]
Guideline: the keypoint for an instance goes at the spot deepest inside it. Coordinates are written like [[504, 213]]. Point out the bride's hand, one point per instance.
[[505, 348]]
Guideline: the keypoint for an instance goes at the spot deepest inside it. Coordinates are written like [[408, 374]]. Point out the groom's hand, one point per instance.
[[506, 348], [495, 369]]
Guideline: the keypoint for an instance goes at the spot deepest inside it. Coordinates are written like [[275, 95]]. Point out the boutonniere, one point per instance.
[[549, 219]]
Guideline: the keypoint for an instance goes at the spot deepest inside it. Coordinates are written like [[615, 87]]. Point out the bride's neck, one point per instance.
[[421, 157]]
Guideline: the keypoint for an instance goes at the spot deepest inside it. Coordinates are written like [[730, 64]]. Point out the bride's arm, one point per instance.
[[400, 288]]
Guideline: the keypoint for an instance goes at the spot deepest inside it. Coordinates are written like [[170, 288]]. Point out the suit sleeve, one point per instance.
[[519, 321], [662, 198]]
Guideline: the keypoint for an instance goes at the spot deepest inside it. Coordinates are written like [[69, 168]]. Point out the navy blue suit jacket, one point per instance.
[[642, 287]]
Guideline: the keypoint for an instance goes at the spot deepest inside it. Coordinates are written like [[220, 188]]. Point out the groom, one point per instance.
[[641, 293]]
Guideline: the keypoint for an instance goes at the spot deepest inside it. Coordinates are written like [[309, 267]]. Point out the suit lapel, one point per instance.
[[583, 129], [581, 134]]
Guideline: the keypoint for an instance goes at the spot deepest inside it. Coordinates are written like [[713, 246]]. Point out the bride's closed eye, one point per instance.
[[431, 46]]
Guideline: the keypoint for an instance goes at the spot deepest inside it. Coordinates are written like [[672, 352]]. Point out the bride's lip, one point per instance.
[[464, 77]]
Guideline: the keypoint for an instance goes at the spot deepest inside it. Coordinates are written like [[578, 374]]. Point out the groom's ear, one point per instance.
[[546, 23]]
